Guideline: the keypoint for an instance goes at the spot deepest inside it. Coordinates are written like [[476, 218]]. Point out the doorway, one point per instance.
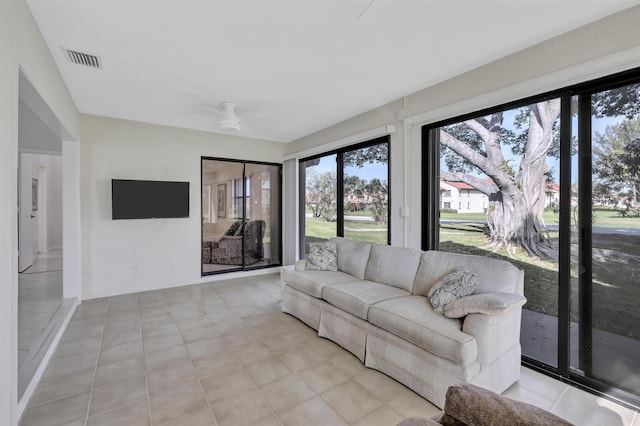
[[241, 215], [46, 295]]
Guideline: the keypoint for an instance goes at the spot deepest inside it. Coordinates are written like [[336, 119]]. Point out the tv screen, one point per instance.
[[149, 199]]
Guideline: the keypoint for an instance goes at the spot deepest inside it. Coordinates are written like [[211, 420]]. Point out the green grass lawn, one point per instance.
[[616, 278], [603, 217]]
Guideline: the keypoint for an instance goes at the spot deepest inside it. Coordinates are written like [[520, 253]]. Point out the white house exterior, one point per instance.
[[462, 197]]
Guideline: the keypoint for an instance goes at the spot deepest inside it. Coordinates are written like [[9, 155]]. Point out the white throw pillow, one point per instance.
[[485, 303], [323, 257], [456, 284]]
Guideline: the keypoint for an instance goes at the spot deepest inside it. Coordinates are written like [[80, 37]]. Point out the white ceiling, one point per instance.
[[292, 66]]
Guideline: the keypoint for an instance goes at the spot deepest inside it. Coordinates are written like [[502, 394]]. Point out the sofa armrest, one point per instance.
[[495, 334], [300, 265], [483, 303]]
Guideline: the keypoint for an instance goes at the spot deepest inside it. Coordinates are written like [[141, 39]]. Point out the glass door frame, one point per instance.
[[430, 223], [244, 163], [340, 187]]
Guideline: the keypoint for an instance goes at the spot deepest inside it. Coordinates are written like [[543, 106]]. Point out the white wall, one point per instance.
[[126, 256], [21, 46], [601, 48]]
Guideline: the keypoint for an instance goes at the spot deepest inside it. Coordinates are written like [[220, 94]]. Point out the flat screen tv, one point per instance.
[[149, 199]]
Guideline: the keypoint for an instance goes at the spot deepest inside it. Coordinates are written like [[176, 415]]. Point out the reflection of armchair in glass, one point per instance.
[[228, 249]]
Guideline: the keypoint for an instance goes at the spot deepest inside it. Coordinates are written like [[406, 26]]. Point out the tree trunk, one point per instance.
[[516, 204]]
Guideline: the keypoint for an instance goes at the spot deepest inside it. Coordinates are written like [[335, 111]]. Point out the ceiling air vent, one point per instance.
[[81, 58]]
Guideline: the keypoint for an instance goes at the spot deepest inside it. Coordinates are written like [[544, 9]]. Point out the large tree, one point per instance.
[[516, 196], [617, 159], [516, 192], [321, 195]]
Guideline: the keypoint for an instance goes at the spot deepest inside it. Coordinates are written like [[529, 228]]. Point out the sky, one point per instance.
[[367, 172], [379, 170]]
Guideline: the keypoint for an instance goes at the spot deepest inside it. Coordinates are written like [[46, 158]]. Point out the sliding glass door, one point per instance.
[[241, 208], [551, 184], [346, 193], [605, 339]]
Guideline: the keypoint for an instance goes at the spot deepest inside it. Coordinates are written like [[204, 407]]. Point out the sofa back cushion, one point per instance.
[[494, 275], [352, 256], [394, 266]]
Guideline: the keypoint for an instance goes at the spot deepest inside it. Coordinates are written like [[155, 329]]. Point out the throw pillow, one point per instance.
[[485, 303], [233, 228], [456, 284], [323, 257]]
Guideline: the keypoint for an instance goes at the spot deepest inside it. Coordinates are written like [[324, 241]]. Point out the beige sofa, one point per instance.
[[374, 306]]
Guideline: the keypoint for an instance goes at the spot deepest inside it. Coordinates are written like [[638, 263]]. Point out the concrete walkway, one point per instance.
[[616, 359]]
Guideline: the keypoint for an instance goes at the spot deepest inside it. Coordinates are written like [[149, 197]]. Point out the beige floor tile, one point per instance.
[[266, 370], [61, 387], [379, 384], [206, 348], [59, 412], [323, 376], [348, 363], [381, 416], [132, 414], [543, 385], [119, 352], [282, 342], [195, 334], [163, 329], [257, 318], [519, 393], [82, 346], [245, 409], [251, 352], [161, 308], [576, 404], [200, 417], [116, 394], [215, 364], [120, 338], [326, 347], [351, 400], [409, 404], [312, 412], [233, 340], [121, 315], [240, 338], [286, 392], [194, 322], [152, 344], [186, 310], [114, 371], [170, 376], [161, 357], [231, 382], [156, 320], [69, 365], [121, 326], [301, 357], [180, 400]]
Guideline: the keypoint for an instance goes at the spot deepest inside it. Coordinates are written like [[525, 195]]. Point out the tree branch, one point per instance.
[[479, 184]]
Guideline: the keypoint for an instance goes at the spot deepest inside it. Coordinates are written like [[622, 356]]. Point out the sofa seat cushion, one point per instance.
[[413, 319], [312, 282], [356, 297]]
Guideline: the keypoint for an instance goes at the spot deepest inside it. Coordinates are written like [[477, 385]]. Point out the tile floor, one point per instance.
[[223, 354]]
